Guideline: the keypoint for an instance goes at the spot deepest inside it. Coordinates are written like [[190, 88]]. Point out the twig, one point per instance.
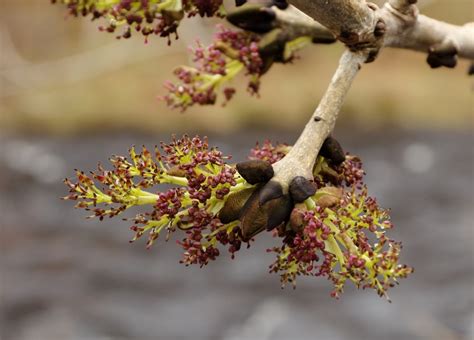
[[300, 160]]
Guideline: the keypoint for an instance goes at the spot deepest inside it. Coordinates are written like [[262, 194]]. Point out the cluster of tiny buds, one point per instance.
[[216, 64], [338, 233], [194, 251], [269, 152], [341, 235], [159, 17]]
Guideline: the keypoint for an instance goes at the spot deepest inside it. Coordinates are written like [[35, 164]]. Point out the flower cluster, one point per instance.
[[269, 152], [159, 17], [231, 52], [201, 181], [338, 233]]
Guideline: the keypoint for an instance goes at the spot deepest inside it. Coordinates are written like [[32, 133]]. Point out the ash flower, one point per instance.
[[158, 17], [217, 64], [202, 181], [269, 152], [330, 235], [339, 233], [231, 53]]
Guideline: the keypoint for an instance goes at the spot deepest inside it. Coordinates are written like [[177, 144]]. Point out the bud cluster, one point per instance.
[[159, 17], [229, 54], [201, 181], [338, 233], [269, 152]]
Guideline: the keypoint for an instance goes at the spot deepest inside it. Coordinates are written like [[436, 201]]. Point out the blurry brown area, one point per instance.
[[59, 75]]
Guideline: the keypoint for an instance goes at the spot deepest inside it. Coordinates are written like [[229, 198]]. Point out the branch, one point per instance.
[[365, 29], [355, 23], [291, 177], [339, 16], [297, 24], [263, 18], [300, 160], [406, 28], [352, 21]]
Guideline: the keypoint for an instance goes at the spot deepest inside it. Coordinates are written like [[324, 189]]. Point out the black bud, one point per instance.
[[279, 211], [281, 4], [301, 189], [255, 171], [270, 191], [254, 18], [332, 150], [442, 55], [234, 204], [253, 218]]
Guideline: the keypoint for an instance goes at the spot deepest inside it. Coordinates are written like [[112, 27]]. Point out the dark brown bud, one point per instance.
[[269, 213], [234, 204], [272, 45], [444, 54], [253, 218], [281, 4], [332, 150], [254, 18], [255, 171], [301, 189], [278, 210], [270, 191]]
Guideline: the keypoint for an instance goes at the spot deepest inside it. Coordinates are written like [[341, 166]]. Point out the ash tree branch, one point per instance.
[[365, 29], [349, 20], [408, 29], [353, 21], [263, 17], [302, 156]]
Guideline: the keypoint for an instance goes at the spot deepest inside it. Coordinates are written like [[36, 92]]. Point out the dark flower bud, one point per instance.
[[255, 171], [444, 54], [270, 191], [254, 18], [301, 189], [332, 150], [234, 204]]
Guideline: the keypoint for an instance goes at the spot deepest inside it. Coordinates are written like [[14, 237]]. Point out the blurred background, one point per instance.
[[71, 96]]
